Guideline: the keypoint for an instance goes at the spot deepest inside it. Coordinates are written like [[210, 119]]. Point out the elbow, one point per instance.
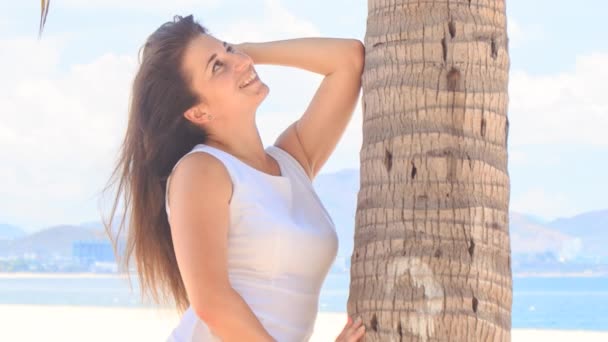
[[358, 55], [211, 316], [204, 313], [214, 309], [216, 319], [208, 312], [209, 302]]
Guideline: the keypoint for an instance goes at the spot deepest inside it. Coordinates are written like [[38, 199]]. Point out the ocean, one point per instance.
[[571, 303]]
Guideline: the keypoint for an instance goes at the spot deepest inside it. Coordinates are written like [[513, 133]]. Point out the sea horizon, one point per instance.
[[542, 302]]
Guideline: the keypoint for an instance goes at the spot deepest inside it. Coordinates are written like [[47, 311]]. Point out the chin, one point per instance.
[[264, 90]]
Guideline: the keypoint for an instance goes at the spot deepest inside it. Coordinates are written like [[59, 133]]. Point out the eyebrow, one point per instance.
[[214, 56]]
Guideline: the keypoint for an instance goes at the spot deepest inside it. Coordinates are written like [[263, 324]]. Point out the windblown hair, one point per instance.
[[157, 136]]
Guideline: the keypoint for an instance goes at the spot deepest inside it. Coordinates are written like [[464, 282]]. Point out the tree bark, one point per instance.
[[432, 257]]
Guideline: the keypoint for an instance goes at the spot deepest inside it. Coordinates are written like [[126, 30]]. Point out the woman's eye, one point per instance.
[[229, 48], [217, 63]]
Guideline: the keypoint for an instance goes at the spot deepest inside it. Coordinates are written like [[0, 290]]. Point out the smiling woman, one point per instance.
[[231, 232]]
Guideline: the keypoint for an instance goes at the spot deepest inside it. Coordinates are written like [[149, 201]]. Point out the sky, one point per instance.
[[63, 99]]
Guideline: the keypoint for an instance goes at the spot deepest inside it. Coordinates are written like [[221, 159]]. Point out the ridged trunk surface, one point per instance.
[[432, 257]]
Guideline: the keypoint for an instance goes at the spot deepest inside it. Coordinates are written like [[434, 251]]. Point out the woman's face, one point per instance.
[[219, 75]]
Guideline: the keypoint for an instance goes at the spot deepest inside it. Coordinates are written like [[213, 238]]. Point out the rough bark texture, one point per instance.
[[431, 260]]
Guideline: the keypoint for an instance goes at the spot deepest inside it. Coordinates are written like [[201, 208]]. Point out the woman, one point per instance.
[[232, 233]]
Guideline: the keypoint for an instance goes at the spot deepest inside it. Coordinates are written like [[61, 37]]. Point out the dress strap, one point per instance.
[[287, 159]]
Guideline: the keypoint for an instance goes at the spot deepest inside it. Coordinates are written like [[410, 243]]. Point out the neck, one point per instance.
[[242, 140]]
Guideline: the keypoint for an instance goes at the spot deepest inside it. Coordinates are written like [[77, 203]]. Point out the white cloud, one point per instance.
[[517, 157], [59, 130], [520, 35], [276, 22], [548, 205], [570, 107], [61, 126], [140, 5], [28, 58]]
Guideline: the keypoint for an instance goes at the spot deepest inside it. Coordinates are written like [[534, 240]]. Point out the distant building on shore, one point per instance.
[[89, 252]]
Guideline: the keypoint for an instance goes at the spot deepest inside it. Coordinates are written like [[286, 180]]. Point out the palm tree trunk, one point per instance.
[[432, 258]]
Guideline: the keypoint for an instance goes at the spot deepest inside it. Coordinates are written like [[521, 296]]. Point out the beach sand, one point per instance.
[[92, 324]]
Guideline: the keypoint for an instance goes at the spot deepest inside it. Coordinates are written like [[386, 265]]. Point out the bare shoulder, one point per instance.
[[200, 175]]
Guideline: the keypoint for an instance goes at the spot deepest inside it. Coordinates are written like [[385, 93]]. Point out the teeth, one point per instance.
[[251, 78]]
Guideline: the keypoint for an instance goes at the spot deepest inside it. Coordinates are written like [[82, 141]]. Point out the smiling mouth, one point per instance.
[[251, 79], [255, 79]]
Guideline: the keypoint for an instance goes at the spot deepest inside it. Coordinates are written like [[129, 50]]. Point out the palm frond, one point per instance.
[[44, 10]]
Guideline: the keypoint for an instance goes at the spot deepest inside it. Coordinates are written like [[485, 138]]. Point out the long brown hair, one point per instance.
[[157, 136]]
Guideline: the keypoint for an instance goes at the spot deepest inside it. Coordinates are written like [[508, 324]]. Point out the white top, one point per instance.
[[281, 244]]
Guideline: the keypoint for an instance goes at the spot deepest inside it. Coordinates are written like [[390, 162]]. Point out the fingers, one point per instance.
[[358, 335], [358, 329], [353, 331], [343, 335]]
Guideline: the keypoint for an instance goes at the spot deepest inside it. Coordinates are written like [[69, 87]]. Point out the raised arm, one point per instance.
[[199, 195], [313, 137]]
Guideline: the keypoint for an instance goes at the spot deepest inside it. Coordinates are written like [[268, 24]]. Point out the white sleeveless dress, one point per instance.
[[281, 244]]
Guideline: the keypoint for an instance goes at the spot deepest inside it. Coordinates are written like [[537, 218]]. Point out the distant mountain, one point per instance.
[[54, 241], [528, 236], [10, 232], [530, 239], [533, 242], [4, 246], [591, 228], [98, 225], [583, 225], [533, 239]]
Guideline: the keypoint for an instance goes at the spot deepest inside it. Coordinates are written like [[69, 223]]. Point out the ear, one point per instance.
[[196, 115]]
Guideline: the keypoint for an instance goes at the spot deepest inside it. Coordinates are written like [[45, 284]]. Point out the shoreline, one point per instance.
[[168, 311], [61, 275], [83, 275], [561, 275], [69, 323]]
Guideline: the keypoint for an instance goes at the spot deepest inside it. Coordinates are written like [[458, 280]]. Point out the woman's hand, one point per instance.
[[352, 332]]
